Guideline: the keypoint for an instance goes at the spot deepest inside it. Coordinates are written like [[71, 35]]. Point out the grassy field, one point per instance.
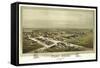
[[84, 40], [30, 45]]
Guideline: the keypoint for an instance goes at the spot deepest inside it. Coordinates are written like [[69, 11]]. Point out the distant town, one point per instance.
[[56, 40]]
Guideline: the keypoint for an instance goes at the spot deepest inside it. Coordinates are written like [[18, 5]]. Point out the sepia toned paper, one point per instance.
[[56, 34]]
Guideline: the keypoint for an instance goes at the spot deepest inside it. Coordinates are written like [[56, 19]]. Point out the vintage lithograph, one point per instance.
[[54, 33]]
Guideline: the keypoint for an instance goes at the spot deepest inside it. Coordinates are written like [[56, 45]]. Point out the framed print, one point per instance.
[[52, 33]]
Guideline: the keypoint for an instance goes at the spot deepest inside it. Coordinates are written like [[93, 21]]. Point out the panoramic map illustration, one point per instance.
[[47, 30]]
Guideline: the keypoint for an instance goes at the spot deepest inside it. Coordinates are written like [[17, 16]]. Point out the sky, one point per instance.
[[32, 17]]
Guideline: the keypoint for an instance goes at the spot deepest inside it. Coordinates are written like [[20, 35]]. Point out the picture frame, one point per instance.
[[44, 33]]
